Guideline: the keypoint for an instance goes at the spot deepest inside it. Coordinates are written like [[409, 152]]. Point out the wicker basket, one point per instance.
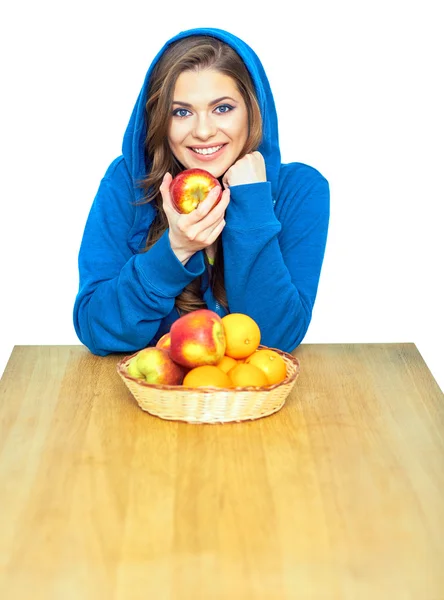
[[211, 405]]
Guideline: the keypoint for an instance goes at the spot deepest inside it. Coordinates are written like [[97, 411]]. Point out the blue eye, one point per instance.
[[226, 108], [179, 112]]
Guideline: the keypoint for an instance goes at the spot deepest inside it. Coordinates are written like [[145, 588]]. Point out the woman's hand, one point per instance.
[[198, 229], [248, 169]]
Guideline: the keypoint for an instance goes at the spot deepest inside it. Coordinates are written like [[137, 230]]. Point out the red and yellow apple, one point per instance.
[[190, 187], [197, 338], [164, 341], [155, 366]]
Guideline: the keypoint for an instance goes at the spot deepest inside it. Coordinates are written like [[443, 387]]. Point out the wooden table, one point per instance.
[[339, 495]]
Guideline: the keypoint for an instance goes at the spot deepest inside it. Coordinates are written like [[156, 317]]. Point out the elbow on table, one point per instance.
[[101, 341], [87, 341], [97, 351], [295, 335], [83, 332], [292, 343], [289, 338]]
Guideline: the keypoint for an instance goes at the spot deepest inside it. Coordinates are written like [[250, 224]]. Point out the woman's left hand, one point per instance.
[[248, 169]]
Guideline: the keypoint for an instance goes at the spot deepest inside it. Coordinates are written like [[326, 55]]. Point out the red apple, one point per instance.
[[197, 338], [154, 365], [189, 188], [164, 342]]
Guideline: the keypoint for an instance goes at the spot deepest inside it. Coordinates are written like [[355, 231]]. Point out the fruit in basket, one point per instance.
[[242, 334], [133, 370], [190, 187], [164, 341], [207, 376], [155, 366], [245, 375], [197, 338], [226, 363], [270, 362]]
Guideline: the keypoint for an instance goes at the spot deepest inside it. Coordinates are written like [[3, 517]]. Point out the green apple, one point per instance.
[[133, 370]]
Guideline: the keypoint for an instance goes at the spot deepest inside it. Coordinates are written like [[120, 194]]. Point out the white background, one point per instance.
[[358, 88]]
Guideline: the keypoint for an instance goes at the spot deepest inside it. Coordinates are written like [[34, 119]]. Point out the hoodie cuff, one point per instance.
[[160, 268], [251, 207]]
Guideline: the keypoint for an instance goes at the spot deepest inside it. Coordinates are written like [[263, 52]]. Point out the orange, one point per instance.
[[244, 375], [226, 363], [207, 376], [242, 335], [271, 363]]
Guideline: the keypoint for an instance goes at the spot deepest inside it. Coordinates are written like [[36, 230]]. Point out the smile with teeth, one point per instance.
[[207, 150]]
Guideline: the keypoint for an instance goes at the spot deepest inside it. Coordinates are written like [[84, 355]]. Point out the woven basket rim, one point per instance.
[[121, 368]]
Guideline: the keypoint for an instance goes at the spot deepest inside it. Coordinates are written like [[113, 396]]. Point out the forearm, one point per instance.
[[273, 256], [259, 284], [123, 313]]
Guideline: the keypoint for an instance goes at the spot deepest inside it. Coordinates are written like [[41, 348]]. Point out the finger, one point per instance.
[[165, 191], [259, 160], [225, 197], [207, 236], [166, 182], [225, 180], [205, 206], [214, 216], [215, 233], [220, 208], [200, 230]]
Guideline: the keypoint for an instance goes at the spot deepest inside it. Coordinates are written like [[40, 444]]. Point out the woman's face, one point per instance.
[[209, 123]]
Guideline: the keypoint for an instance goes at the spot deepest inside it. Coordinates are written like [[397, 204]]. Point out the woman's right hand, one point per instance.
[[198, 229]]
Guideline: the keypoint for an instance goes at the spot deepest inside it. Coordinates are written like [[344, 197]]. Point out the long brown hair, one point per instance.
[[190, 54]]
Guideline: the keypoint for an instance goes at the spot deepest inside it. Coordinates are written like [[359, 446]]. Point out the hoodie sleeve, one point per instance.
[[123, 296], [273, 257]]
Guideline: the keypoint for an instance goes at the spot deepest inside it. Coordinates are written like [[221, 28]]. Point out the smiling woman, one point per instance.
[[205, 103], [208, 131]]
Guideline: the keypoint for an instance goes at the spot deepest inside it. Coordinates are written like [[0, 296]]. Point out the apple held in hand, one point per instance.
[[197, 338], [190, 187], [154, 365]]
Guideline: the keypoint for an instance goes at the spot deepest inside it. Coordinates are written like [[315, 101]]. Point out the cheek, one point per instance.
[[174, 135], [238, 129]]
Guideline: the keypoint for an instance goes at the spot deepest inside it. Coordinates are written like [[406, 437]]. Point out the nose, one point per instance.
[[204, 127]]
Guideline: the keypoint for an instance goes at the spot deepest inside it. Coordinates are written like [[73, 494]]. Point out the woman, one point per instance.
[[205, 103]]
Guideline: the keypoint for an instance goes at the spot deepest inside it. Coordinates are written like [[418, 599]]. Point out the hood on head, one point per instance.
[[134, 138]]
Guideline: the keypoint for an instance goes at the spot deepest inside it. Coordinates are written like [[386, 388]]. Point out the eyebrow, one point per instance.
[[209, 104]]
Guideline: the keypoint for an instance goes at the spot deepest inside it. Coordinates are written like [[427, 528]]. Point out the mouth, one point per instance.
[[207, 153]]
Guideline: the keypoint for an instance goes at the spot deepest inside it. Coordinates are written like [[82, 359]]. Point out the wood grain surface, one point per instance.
[[339, 495]]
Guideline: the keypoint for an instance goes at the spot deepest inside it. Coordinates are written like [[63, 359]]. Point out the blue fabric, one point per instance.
[[274, 243]]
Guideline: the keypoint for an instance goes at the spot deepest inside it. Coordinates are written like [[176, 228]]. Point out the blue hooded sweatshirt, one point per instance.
[[273, 242]]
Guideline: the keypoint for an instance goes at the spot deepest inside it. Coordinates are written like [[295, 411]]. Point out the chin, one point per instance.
[[214, 171]]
